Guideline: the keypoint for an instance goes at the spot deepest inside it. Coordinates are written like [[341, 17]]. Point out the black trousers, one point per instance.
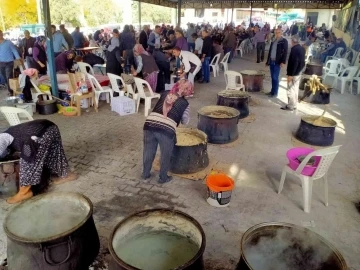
[[151, 141], [260, 49], [163, 75]]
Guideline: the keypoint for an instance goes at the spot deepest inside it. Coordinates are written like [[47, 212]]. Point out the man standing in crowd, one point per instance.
[[190, 62], [27, 43], [8, 54], [259, 42], [59, 41], [276, 60], [68, 38], [154, 39], [229, 43], [78, 38], [295, 65], [191, 30], [206, 55], [143, 38], [294, 29]]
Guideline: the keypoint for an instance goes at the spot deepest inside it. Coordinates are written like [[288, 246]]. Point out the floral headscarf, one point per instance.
[[182, 88], [139, 49]]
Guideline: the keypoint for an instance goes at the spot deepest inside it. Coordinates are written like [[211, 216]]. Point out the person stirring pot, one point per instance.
[[40, 147]]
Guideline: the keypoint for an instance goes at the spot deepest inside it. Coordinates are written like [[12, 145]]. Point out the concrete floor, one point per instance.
[[106, 151]]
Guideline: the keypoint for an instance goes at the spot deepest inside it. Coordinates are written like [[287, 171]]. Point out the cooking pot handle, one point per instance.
[[47, 258]]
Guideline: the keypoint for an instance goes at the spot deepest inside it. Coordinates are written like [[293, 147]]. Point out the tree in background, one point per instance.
[[151, 13], [64, 11], [17, 12]]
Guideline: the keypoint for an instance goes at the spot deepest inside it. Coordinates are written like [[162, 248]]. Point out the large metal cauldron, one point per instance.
[[320, 135], [276, 245], [219, 123], [153, 222], [313, 68], [190, 152], [235, 99], [52, 231], [253, 80], [9, 175]]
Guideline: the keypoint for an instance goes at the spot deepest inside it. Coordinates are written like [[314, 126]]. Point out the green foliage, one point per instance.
[[151, 13]]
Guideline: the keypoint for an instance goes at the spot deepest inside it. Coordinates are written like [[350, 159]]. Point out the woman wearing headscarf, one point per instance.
[[160, 128], [64, 62], [146, 65], [39, 55], [40, 147], [113, 55]]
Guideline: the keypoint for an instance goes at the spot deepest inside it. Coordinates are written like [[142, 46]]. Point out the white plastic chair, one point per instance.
[[356, 79], [337, 54], [345, 76], [114, 82], [46, 94], [327, 156], [224, 61], [215, 64], [231, 80], [98, 89], [83, 68], [331, 69], [347, 55], [146, 95], [12, 115], [240, 49]]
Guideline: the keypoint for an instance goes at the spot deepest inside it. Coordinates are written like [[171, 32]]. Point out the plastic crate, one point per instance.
[[123, 105]]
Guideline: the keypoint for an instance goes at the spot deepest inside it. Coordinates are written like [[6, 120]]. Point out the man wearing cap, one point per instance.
[[295, 65]]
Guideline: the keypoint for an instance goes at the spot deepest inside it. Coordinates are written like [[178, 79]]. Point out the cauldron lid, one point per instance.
[[47, 217], [252, 72], [233, 94]]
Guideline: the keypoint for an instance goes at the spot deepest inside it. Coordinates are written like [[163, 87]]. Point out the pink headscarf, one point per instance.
[[139, 49], [182, 88]]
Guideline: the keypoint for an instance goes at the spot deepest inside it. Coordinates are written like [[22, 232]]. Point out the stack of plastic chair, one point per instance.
[[337, 54], [307, 174], [345, 76], [357, 79]]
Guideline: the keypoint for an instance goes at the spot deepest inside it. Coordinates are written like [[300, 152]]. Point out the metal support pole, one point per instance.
[[38, 11], [50, 48], [179, 13], [232, 11], [139, 11], [250, 13]]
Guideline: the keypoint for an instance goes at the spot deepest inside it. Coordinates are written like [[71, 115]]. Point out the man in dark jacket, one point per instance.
[[143, 38], [295, 65], [205, 56], [68, 38], [276, 60]]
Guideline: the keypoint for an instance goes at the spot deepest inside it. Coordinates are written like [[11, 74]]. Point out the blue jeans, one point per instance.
[[191, 47], [226, 50], [206, 69], [275, 73], [323, 57], [6, 70]]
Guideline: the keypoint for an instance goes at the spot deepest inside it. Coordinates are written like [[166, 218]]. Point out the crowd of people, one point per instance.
[[150, 55]]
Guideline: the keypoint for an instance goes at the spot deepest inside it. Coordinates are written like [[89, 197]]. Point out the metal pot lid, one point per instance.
[[47, 217], [233, 94], [219, 112]]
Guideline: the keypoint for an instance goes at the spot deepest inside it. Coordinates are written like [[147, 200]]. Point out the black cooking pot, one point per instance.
[[153, 221], [307, 249], [253, 80], [219, 123], [234, 99], [314, 68], [57, 245], [46, 107], [187, 159], [316, 135]]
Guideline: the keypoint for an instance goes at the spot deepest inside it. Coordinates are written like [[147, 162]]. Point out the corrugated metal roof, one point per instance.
[[304, 4]]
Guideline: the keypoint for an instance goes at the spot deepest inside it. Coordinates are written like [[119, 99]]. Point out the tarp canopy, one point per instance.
[[284, 4]]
